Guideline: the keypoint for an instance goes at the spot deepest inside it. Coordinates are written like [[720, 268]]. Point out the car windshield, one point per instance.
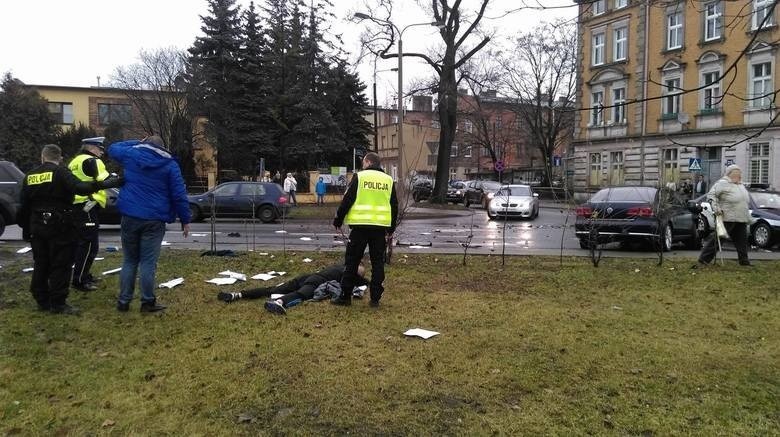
[[514, 191], [625, 194], [490, 186], [766, 199]]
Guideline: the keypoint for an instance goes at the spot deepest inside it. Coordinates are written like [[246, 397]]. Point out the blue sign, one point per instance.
[[694, 164], [499, 166], [556, 161]]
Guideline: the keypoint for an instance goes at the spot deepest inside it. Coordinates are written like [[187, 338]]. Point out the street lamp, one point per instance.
[[402, 175], [376, 121]]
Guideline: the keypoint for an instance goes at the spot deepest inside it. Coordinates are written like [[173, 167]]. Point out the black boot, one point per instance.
[[151, 307]]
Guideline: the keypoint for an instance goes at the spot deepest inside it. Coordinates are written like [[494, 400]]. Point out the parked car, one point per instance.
[[10, 193], [456, 191], [422, 188], [480, 192], [263, 200], [765, 214], [636, 214], [514, 201]]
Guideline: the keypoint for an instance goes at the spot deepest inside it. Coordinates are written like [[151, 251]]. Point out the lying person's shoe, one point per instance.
[[228, 296], [276, 307]]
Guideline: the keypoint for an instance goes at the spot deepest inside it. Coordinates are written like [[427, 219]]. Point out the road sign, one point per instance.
[[729, 162], [556, 161], [499, 166], [694, 164]]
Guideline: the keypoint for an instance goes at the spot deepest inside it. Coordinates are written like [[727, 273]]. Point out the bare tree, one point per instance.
[[157, 89], [540, 75]]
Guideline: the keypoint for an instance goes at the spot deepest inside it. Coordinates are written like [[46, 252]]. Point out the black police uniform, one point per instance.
[[361, 236], [87, 233], [46, 218]]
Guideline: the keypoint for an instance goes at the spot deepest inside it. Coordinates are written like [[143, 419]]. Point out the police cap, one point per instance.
[[95, 141]]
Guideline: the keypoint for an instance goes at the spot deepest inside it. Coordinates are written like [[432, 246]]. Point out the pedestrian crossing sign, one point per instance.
[[694, 164]]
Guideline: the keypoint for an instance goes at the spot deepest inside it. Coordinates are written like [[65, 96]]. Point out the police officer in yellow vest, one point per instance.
[[370, 208], [87, 166], [46, 219]]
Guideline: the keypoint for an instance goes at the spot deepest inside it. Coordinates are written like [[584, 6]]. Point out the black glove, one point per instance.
[[110, 182]]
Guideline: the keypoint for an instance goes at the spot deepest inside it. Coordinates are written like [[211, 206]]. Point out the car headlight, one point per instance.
[[491, 195], [458, 193]]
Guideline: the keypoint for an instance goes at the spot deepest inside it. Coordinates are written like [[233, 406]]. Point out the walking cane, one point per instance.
[[719, 222]]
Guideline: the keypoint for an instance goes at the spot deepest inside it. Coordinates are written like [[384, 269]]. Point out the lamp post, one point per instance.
[[376, 122], [401, 170]]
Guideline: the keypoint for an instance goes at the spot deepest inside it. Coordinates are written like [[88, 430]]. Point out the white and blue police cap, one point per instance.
[[95, 141]]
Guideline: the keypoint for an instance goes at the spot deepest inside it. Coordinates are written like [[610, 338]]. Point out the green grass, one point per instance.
[[526, 349]]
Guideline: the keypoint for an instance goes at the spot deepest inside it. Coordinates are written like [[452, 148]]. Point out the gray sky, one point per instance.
[[57, 42]]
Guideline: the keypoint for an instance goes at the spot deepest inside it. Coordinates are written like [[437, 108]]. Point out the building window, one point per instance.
[[759, 163], [454, 151], [761, 84], [498, 122], [594, 175], [467, 152], [619, 50], [62, 112], [599, 7], [762, 8], [115, 113], [616, 168], [598, 48], [671, 166], [485, 151], [712, 21], [597, 109], [394, 119], [621, 4], [618, 105], [671, 97], [674, 31], [711, 91], [468, 126]]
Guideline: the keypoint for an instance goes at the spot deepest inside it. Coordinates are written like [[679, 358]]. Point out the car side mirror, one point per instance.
[[694, 207]]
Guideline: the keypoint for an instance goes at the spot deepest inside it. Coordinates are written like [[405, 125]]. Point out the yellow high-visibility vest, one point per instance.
[[372, 203], [75, 167]]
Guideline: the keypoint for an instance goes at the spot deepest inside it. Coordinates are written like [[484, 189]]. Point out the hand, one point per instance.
[[185, 230], [111, 182]]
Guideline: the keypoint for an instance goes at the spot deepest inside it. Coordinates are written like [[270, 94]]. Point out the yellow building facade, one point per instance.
[[668, 90]]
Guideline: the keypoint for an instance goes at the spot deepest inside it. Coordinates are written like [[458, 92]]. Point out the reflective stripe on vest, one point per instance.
[[372, 203], [76, 167]]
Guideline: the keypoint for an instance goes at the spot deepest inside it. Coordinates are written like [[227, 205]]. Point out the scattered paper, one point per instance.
[[636, 270], [263, 253], [27, 269], [305, 239], [307, 260], [165, 243], [172, 283], [116, 270], [422, 333], [280, 232], [222, 281], [418, 247], [228, 273], [263, 276], [198, 235], [425, 233], [99, 258], [24, 249], [276, 273], [276, 296]]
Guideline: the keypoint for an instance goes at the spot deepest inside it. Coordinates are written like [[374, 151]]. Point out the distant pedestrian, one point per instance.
[[277, 177], [370, 208], [152, 196], [700, 188], [290, 186], [729, 200], [320, 189]]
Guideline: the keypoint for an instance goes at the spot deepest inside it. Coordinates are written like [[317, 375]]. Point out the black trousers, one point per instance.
[[87, 243], [359, 238], [52, 248], [300, 288], [738, 234]]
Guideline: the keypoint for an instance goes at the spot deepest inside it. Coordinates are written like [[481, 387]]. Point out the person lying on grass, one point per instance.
[[323, 284]]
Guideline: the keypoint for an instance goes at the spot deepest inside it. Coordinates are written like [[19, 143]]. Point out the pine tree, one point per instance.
[[25, 123], [348, 103]]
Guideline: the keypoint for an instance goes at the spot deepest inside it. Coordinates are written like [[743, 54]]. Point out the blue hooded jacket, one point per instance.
[[154, 188]]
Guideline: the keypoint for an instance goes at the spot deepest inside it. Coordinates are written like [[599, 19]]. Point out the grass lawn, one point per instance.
[[531, 348]]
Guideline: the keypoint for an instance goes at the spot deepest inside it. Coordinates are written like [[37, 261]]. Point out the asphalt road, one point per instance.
[[434, 231]]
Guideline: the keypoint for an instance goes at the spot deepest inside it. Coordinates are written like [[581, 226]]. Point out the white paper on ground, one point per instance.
[[263, 253], [198, 235], [417, 247], [172, 283], [262, 276], [276, 296], [307, 260], [28, 269], [422, 333], [275, 273], [165, 243], [24, 249], [280, 232], [222, 281], [228, 273], [100, 258], [116, 270], [305, 239]]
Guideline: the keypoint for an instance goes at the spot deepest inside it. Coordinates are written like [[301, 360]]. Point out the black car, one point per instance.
[[263, 200], [422, 188], [456, 192], [10, 193], [480, 192], [636, 214], [765, 214]]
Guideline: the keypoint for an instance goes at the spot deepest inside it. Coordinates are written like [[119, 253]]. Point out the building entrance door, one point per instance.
[[711, 164]]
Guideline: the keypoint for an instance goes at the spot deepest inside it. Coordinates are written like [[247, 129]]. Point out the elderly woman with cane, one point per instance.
[[729, 200]]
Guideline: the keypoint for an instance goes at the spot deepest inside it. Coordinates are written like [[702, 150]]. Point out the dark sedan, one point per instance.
[[765, 217], [263, 200], [636, 214], [480, 192]]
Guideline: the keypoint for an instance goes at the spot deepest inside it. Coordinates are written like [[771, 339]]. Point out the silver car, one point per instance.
[[514, 201]]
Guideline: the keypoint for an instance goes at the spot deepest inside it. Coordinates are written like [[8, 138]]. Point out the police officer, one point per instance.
[[370, 208], [87, 166], [46, 219]]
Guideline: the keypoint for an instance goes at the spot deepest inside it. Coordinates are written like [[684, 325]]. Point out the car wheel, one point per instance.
[[535, 214], [491, 216], [466, 202], [194, 213], [266, 213], [762, 235], [664, 240], [2, 224]]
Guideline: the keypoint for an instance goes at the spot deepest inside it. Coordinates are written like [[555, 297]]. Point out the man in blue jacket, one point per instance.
[[153, 195]]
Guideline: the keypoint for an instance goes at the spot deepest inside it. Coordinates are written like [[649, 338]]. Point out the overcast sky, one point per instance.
[[57, 42]]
